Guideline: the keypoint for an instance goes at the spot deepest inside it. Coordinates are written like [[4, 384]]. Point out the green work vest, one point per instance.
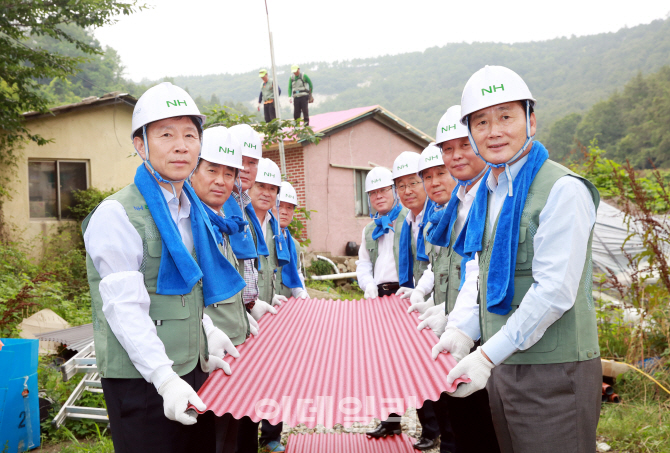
[[298, 86], [230, 315], [266, 90], [372, 246], [178, 319], [267, 276], [281, 288], [573, 337], [446, 266]]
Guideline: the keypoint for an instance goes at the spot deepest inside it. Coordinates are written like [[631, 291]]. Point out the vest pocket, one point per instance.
[[155, 248], [173, 327], [522, 251], [228, 316]]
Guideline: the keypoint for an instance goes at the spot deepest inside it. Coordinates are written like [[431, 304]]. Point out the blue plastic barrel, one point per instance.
[[19, 402]]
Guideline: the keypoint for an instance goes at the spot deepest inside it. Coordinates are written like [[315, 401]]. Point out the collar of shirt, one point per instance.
[[178, 213], [410, 217], [264, 224], [515, 168], [246, 199], [469, 196]]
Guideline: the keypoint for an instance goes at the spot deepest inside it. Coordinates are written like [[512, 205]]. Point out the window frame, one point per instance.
[[360, 186], [58, 193]]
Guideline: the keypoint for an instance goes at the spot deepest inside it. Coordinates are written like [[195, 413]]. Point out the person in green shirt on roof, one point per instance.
[[301, 95]]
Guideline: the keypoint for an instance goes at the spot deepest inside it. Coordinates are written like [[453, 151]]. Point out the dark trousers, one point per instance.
[[247, 435], [301, 105], [226, 433], [470, 420], [138, 422], [269, 111]]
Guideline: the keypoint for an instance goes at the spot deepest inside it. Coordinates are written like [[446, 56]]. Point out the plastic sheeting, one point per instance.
[[74, 338], [327, 362], [347, 443]]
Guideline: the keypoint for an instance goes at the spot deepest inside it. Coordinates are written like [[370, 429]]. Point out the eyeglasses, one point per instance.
[[404, 187], [383, 190]]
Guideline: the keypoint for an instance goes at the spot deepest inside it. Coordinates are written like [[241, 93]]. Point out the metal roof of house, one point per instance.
[[74, 338], [347, 443], [331, 362], [115, 97]]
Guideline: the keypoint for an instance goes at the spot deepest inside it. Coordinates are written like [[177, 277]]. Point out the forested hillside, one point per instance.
[[566, 75], [633, 124]]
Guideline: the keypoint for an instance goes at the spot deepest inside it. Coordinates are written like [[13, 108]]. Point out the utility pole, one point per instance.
[[275, 89]]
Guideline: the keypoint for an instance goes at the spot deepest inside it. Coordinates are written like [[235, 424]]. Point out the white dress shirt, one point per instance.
[[115, 247], [559, 256], [426, 280], [384, 268]]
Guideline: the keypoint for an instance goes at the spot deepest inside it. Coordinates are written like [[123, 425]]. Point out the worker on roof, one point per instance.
[[300, 88], [452, 160], [213, 181], [153, 267], [411, 267], [534, 219], [377, 265], [288, 202], [267, 96]]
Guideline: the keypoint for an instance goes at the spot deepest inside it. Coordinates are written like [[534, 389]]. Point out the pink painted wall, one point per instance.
[[331, 191]]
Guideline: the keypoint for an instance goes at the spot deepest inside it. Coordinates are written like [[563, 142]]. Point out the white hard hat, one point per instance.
[[493, 85], [251, 143], [268, 172], [407, 163], [430, 157], [288, 193], [450, 126], [219, 146], [163, 101], [377, 178]]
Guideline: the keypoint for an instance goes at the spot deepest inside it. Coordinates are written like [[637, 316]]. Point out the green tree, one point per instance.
[[561, 138], [23, 63]]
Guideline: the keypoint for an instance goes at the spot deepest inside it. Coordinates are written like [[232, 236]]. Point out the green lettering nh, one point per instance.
[[375, 180], [249, 145], [400, 167], [448, 128], [226, 150], [493, 89], [265, 173], [431, 158], [175, 103]]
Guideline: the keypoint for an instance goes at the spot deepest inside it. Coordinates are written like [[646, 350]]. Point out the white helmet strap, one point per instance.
[[508, 172]]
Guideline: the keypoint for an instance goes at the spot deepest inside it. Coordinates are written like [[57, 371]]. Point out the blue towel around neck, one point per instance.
[[243, 243], [178, 271], [500, 285], [228, 225], [406, 256], [440, 233], [289, 272], [384, 223], [281, 249]]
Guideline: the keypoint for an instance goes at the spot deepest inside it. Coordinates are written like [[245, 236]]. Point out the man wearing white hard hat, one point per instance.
[[287, 279], [154, 344], [530, 228], [470, 416], [300, 91], [377, 265], [267, 96]]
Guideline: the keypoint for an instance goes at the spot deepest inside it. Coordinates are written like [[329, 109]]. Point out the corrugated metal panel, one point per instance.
[[74, 338], [327, 362], [347, 443]]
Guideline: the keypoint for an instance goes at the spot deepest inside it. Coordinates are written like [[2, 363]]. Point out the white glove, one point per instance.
[[260, 308], [433, 310], [278, 299], [417, 301], [455, 341], [403, 292], [253, 325], [214, 363], [303, 295], [219, 344], [436, 322], [371, 291], [177, 395], [477, 368]]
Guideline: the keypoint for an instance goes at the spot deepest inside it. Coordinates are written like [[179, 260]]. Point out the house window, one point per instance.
[[361, 196], [51, 184]]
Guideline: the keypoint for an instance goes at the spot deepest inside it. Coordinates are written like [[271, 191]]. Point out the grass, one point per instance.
[[636, 427]]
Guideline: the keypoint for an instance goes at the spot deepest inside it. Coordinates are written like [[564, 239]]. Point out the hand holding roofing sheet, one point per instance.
[[404, 292], [177, 395], [437, 323], [214, 363], [218, 342], [253, 325], [455, 341], [371, 291], [477, 368], [303, 295], [260, 308], [278, 299], [433, 311], [418, 303]]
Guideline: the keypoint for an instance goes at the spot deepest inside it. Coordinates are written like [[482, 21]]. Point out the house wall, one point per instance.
[[331, 191], [99, 135]]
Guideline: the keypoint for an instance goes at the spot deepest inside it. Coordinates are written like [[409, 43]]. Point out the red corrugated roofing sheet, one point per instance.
[[347, 443], [327, 362]]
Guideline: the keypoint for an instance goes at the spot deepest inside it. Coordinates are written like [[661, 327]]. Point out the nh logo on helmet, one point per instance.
[[249, 145], [431, 158], [448, 128], [375, 180], [271, 175], [492, 89], [175, 103], [226, 150], [400, 167]]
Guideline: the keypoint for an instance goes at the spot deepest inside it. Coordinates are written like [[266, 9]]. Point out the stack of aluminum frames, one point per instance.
[[74, 338], [339, 362]]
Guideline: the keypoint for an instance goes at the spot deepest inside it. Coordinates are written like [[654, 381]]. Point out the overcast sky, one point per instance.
[[197, 37]]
